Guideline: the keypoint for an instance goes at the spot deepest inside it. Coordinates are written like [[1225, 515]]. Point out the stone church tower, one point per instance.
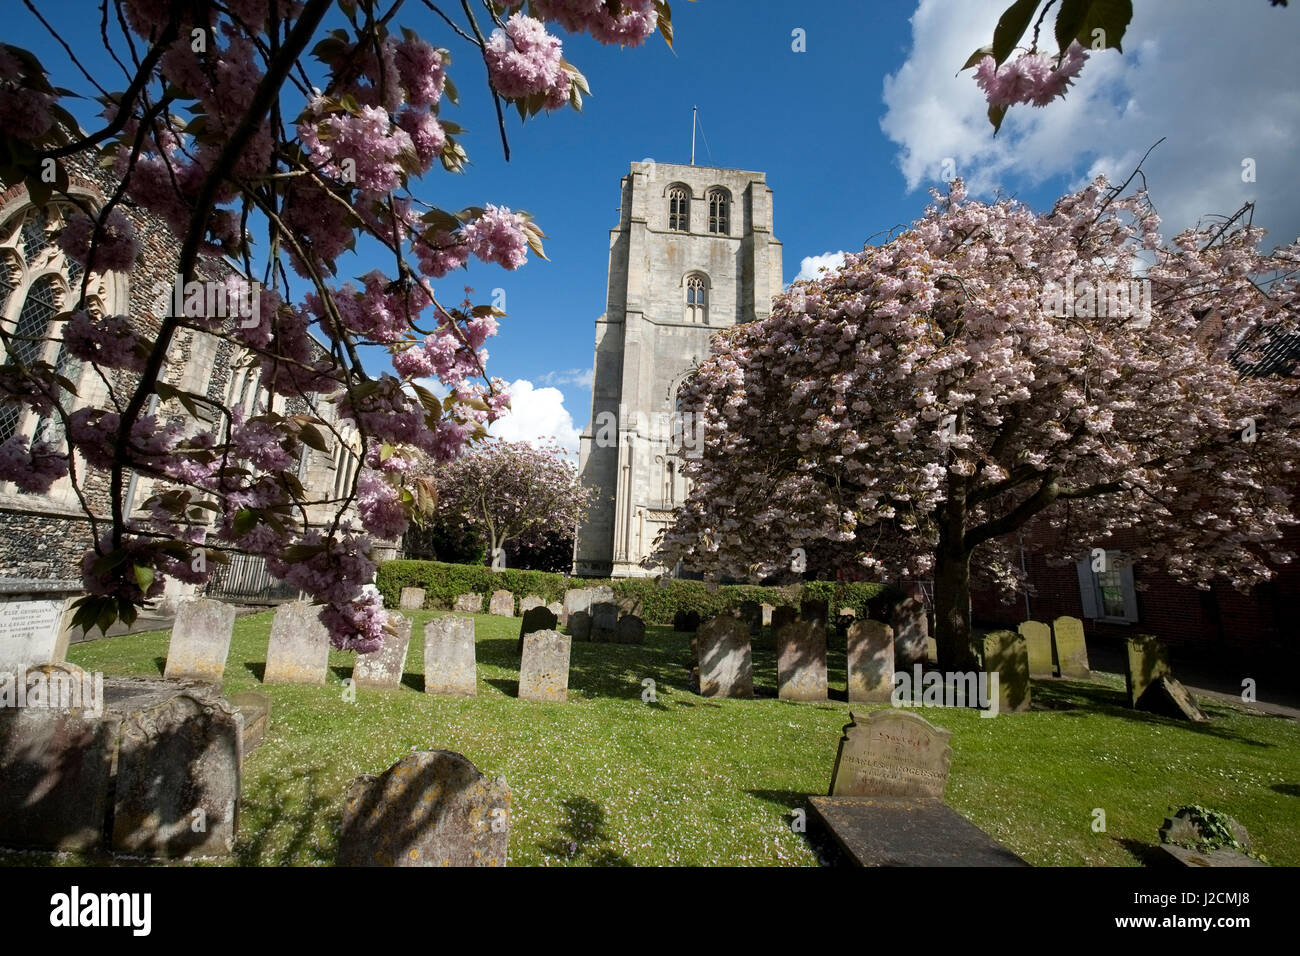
[[693, 252]]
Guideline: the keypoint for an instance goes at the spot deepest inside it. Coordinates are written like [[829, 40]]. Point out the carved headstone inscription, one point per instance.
[[892, 753]]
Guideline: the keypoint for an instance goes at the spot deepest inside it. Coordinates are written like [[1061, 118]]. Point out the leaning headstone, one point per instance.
[[255, 709], [431, 808], [1185, 842], [412, 599], [1005, 653], [471, 603], [1148, 661], [686, 622], [631, 604], [200, 640], [449, 663], [55, 764], [604, 622], [502, 604], [1169, 698], [782, 616], [630, 630], [892, 753], [535, 619], [870, 661], [800, 661], [544, 669], [382, 669], [723, 652], [1038, 644], [911, 631], [299, 650], [1071, 648], [751, 612], [177, 786], [529, 602], [34, 628]]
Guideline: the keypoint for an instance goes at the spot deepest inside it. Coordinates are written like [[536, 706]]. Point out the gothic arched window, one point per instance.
[[719, 211], [679, 209], [697, 299], [38, 282]]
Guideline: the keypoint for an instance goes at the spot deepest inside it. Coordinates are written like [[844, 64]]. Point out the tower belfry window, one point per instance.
[[719, 211], [697, 300], [679, 210]]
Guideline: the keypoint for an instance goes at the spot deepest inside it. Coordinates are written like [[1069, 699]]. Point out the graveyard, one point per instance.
[[614, 775]]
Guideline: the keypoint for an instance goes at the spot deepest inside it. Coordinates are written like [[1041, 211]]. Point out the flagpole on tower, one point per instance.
[[694, 109]]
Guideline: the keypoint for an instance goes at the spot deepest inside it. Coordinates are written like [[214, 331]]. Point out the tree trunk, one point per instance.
[[952, 628]]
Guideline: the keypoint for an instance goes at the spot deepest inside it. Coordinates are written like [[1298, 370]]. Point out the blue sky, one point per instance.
[[850, 133]]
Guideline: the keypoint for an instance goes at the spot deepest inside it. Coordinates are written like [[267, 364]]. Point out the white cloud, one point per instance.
[[578, 377], [810, 266], [536, 415], [1180, 77]]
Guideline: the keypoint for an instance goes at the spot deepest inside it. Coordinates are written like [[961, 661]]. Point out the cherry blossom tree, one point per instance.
[[993, 371], [508, 492], [279, 133], [1035, 75]]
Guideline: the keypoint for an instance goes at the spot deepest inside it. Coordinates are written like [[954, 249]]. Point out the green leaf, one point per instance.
[[143, 577], [1068, 21], [974, 58], [312, 438], [996, 115], [1111, 17], [245, 521], [1011, 27]]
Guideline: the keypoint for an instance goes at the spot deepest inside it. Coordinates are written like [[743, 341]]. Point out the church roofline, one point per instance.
[[752, 173]]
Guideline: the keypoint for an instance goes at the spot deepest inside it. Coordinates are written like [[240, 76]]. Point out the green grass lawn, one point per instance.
[[608, 779]]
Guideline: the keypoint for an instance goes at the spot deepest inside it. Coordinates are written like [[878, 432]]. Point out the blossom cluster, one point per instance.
[[1031, 77]]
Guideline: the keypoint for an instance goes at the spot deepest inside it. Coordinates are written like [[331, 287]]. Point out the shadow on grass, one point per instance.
[[581, 833], [1082, 699], [508, 687], [298, 816], [1146, 854], [257, 669], [161, 663], [1288, 789], [413, 681]]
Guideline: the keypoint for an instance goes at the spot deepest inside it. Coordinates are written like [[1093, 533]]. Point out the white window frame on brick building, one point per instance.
[[1109, 596]]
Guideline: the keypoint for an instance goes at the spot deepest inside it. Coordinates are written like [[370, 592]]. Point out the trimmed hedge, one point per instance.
[[443, 583]]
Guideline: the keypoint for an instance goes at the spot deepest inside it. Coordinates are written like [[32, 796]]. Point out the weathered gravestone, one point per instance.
[[535, 619], [471, 603], [382, 669], [1038, 645], [602, 593], [1005, 653], [630, 630], [1148, 661], [871, 661], [255, 709], [579, 626], [811, 609], [1186, 841], [35, 624], [630, 604], [530, 602], [449, 662], [800, 661], [722, 651], [783, 615], [299, 649], [1169, 698], [686, 622], [1071, 648], [55, 764], [751, 612], [911, 631], [575, 599], [604, 621], [557, 608], [200, 640], [886, 803], [178, 769], [544, 669], [412, 599], [502, 604], [431, 808], [767, 610]]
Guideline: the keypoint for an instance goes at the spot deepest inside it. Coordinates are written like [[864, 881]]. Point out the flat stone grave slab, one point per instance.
[[34, 629], [255, 708], [895, 831]]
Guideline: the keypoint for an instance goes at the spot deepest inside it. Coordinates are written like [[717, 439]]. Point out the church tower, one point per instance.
[[693, 252]]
